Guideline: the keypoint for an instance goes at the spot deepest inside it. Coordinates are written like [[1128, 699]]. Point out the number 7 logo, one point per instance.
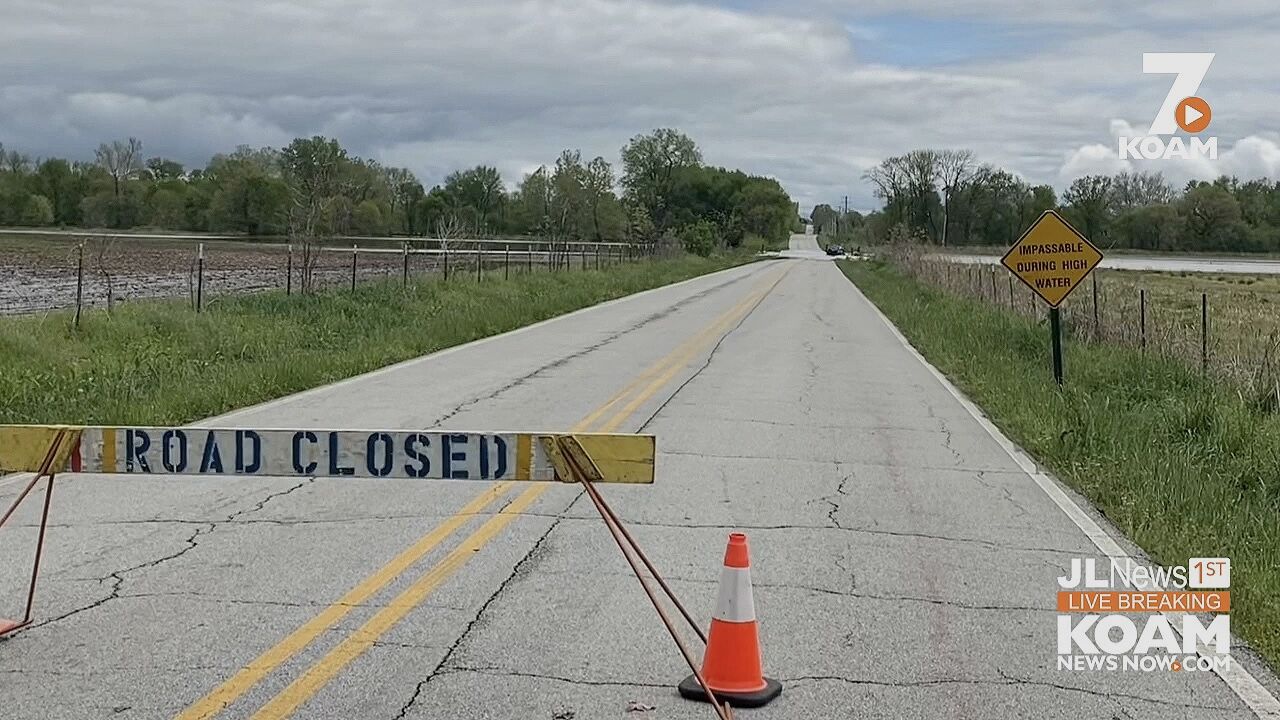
[[1189, 69]]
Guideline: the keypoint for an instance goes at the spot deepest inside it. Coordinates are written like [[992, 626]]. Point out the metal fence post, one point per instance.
[[528, 253], [79, 284], [506, 262], [479, 263], [200, 278], [446, 262], [288, 272], [583, 249], [995, 298], [355, 253], [405, 272], [1011, 307], [597, 254]]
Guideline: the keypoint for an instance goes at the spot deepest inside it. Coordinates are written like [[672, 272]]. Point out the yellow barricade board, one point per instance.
[[273, 452]]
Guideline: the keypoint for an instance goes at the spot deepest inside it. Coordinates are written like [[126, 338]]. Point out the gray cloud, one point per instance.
[[777, 88]]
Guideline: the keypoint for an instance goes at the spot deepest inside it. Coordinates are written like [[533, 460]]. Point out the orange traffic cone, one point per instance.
[[733, 664]]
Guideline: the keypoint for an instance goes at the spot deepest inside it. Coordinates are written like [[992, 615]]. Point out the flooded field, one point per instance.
[[39, 272]]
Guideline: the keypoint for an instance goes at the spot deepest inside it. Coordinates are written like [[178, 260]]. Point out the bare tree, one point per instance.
[[313, 170], [889, 178], [885, 177], [14, 161], [921, 170], [449, 229], [1138, 189], [122, 159], [956, 169]]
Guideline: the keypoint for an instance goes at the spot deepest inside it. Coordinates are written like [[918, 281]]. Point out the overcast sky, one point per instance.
[[809, 91]]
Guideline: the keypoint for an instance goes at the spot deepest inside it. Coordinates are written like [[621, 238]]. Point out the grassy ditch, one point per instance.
[[159, 362], [1182, 465], [1240, 342]]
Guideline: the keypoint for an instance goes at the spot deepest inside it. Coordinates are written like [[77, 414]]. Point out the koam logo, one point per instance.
[[1182, 109]]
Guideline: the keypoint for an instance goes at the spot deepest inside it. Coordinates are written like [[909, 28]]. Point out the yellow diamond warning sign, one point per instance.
[[1052, 258]]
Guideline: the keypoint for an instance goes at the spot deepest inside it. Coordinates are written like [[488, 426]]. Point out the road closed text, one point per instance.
[[331, 453]]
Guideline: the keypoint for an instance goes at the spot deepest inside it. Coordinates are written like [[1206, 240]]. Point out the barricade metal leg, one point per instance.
[[45, 472], [574, 464]]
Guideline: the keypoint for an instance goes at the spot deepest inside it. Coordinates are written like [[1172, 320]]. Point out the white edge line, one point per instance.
[[1246, 686], [5, 481]]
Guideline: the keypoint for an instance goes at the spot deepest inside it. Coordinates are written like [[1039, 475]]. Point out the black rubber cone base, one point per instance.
[[692, 690]]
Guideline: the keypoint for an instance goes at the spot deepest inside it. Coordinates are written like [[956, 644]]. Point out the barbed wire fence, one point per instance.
[[1219, 338], [103, 270]]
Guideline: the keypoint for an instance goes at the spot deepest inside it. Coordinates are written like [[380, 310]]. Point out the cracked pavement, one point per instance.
[[904, 566]]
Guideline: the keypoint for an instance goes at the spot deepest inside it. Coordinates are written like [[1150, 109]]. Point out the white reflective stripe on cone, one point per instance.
[[735, 603]]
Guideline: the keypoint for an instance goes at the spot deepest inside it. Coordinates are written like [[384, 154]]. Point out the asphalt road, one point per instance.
[[1226, 266], [904, 563]]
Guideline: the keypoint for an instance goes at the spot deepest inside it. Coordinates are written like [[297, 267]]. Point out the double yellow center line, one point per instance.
[[284, 704]]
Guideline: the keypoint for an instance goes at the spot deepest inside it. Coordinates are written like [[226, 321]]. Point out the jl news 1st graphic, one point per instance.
[[1119, 615]]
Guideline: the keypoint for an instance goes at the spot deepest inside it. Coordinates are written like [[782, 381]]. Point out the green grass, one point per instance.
[[1182, 465], [161, 363]]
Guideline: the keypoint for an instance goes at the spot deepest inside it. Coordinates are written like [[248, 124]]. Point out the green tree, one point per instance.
[[531, 203], [368, 218], [106, 210], [1213, 219], [649, 166], [249, 202], [764, 208], [1090, 201], [909, 186], [1042, 197], [38, 211], [1152, 227], [430, 210], [312, 171], [568, 195], [598, 185], [404, 191], [163, 169], [65, 187], [166, 206], [700, 238], [824, 219], [474, 195]]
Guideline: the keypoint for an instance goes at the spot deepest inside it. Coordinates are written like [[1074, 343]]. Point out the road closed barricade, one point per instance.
[[583, 458], [48, 450]]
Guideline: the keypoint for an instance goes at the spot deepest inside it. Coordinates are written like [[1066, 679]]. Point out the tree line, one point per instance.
[[946, 197], [314, 188]]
